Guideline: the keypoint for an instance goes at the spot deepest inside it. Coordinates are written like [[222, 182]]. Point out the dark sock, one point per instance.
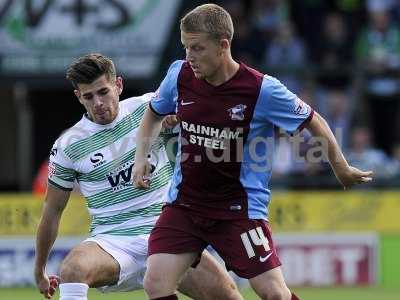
[[170, 297], [294, 297]]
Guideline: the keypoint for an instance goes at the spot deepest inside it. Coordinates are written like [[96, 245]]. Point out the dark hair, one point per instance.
[[90, 67], [211, 19]]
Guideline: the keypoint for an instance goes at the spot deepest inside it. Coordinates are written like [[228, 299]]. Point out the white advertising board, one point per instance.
[[308, 259], [42, 37]]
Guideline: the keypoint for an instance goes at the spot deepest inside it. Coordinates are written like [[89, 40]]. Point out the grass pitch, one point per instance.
[[363, 293]]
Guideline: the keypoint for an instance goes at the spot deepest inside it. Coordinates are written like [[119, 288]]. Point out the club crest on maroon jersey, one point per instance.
[[237, 112]]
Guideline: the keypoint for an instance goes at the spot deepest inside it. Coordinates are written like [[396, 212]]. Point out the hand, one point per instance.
[[354, 176], [170, 121], [141, 174], [47, 285]]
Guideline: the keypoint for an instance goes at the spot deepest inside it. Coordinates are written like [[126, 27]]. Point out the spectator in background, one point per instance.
[[247, 46], [334, 53], [308, 17], [286, 55], [378, 55], [380, 5], [353, 13], [268, 15], [39, 184], [363, 154], [396, 159], [290, 156], [395, 11], [336, 107]]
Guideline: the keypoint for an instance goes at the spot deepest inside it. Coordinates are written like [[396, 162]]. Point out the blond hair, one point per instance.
[[211, 19]]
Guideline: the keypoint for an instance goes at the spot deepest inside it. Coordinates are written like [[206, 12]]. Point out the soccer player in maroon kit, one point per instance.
[[219, 193]]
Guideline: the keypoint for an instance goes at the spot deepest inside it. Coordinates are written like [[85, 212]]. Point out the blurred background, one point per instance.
[[340, 56]]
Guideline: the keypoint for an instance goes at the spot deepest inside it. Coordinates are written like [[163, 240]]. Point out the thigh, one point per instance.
[[174, 246], [174, 265], [246, 246], [209, 280], [93, 264]]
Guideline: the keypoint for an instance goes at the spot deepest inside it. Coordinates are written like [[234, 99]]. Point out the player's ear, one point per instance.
[[225, 44], [120, 84], [78, 95]]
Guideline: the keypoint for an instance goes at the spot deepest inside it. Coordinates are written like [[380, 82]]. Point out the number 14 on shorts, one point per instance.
[[258, 238]]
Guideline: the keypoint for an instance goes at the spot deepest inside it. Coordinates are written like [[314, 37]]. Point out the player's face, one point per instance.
[[203, 53], [101, 98]]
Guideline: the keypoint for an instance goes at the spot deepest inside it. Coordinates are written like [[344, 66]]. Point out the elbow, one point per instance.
[[324, 122], [316, 123], [319, 117]]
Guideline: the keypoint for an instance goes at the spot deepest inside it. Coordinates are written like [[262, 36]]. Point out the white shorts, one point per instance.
[[131, 254]]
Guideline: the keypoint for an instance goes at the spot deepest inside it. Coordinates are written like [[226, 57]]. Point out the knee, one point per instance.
[[281, 293], [152, 284], [230, 292], [75, 270]]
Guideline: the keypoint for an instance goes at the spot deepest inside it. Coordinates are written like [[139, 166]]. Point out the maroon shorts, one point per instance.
[[246, 246]]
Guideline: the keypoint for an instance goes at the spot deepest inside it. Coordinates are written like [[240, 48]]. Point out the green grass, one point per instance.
[[365, 293]]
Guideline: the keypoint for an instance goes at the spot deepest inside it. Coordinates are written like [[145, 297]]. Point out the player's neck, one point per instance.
[[227, 70]]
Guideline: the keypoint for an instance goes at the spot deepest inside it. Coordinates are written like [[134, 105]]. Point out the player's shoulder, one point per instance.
[[249, 71], [246, 79], [72, 135], [135, 102], [271, 83], [275, 91], [270, 79], [177, 65], [249, 76]]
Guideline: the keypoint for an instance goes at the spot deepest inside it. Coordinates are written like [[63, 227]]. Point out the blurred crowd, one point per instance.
[[340, 56]]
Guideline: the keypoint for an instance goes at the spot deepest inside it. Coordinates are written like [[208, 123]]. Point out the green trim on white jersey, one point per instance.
[[100, 159], [105, 137]]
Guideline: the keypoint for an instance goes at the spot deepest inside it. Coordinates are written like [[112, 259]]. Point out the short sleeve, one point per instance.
[[61, 172], [281, 107], [164, 100]]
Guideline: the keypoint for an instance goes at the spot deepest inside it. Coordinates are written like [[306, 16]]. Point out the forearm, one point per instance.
[[320, 129], [149, 130], [46, 235]]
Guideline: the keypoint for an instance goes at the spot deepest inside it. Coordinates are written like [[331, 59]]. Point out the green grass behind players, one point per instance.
[[367, 293]]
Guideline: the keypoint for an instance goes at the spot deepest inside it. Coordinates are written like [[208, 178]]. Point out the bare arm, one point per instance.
[[347, 175], [148, 131], [55, 202]]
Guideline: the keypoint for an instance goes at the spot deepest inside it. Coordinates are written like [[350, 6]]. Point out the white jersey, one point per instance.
[[100, 158]]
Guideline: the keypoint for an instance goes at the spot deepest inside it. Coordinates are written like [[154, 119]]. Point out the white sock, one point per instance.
[[73, 291]]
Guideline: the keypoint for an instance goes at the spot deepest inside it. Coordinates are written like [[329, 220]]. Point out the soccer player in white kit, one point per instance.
[[98, 152]]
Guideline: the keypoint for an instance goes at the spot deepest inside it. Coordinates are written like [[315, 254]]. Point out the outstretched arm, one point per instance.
[[148, 131], [346, 174], [55, 202]]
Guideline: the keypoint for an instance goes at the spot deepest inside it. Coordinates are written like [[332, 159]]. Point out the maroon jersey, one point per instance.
[[225, 146]]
